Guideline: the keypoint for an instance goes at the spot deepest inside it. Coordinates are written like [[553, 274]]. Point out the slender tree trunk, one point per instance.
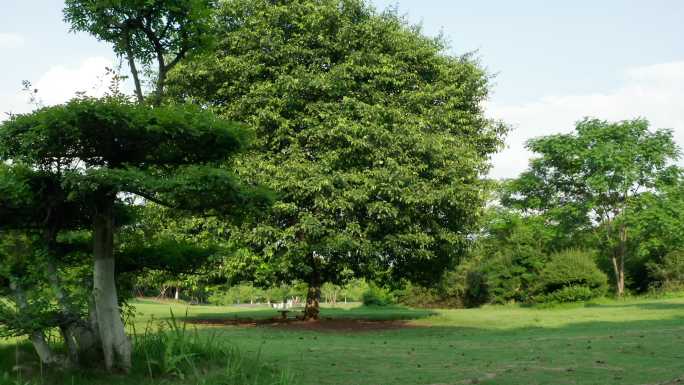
[[622, 253], [134, 71], [71, 318], [177, 293], [45, 353], [618, 261], [161, 80], [313, 296], [619, 275], [79, 336], [116, 346]]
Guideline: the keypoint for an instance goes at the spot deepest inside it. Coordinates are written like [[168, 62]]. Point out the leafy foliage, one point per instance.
[[377, 296], [374, 137], [668, 274], [162, 30], [569, 276], [588, 180]]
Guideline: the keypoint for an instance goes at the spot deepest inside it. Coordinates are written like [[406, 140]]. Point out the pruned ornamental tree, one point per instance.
[[105, 152], [590, 178], [372, 134], [34, 212]]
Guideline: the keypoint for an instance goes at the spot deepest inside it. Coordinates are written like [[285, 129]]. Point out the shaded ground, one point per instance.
[[325, 325]]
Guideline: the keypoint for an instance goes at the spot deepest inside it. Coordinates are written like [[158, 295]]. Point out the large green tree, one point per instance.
[[589, 179], [103, 152], [373, 135]]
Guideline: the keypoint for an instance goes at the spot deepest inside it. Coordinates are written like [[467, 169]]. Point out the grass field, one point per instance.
[[627, 342]]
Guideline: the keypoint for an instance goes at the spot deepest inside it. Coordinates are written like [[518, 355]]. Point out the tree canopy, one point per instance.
[[374, 137], [164, 31]]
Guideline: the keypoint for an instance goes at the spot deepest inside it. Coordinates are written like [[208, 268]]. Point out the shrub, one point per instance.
[[506, 277], [668, 275], [568, 294], [377, 296], [476, 290], [571, 276], [417, 296]]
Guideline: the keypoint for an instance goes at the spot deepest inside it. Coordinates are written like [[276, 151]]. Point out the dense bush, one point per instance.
[[570, 276], [568, 294], [506, 277], [668, 275], [417, 296], [476, 291], [377, 296]]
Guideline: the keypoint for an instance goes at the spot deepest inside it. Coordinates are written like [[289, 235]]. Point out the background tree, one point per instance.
[[655, 222], [101, 149], [590, 178], [374, 137], [146, 31]]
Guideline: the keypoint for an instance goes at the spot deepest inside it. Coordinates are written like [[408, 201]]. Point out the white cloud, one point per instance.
[[11, 40], [655, 92], [61, 83]]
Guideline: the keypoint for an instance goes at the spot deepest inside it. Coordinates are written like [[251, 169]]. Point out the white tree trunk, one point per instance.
[[116, 346]]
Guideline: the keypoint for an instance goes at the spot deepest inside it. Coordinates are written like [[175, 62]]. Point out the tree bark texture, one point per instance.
[[116, 347], [618, 261], [313, 297]]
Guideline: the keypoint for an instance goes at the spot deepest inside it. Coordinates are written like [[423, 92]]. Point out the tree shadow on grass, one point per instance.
[[364, 314], [647, 306]]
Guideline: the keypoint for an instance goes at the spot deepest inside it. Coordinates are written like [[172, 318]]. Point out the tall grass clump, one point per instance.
[[172, 350], [167, 352]]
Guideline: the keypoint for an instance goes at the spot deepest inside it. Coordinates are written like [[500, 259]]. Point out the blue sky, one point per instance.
[[613, 59]]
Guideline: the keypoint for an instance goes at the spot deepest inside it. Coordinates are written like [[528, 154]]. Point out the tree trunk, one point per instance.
[[619, 276], [87, 336], [69, 329], [619, 261], [116, 346], [45, 353], [134, 70], [177, 293], [313, 297]]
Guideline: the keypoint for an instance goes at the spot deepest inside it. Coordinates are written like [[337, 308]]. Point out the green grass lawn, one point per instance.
[[627, 342]]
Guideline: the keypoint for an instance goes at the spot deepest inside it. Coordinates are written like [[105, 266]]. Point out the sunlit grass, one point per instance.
[[635, 341]]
